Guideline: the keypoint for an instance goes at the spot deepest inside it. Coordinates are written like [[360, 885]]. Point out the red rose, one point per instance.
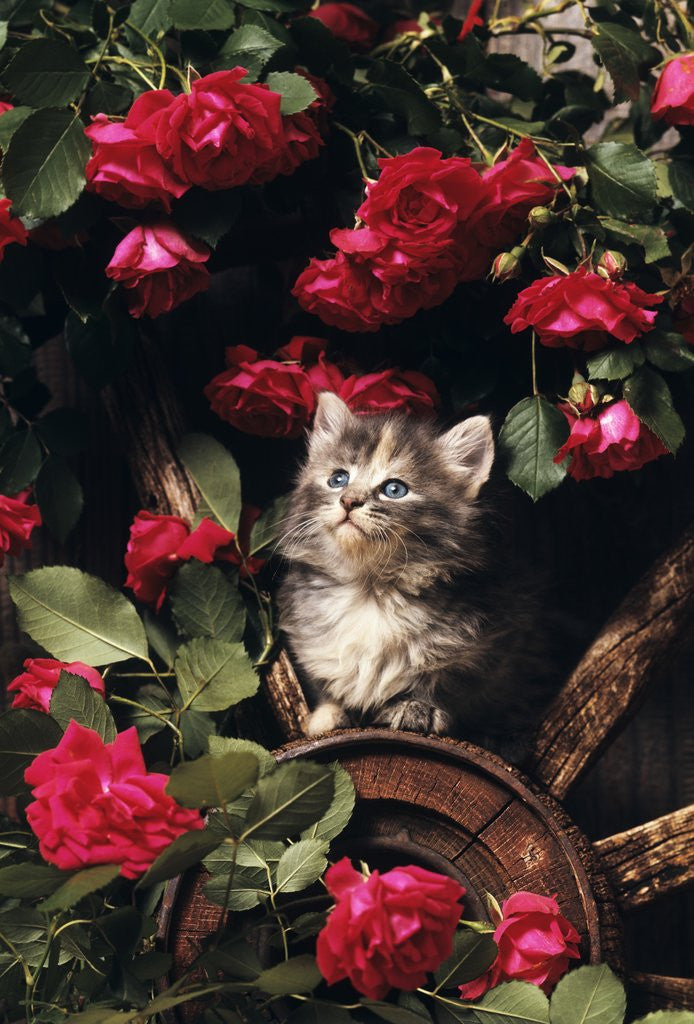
[[389, 390], [582, 310], [34, 687], [512, 187], [96, 803], [535, 945], [126, 166], [17, 520], [604, 442], [261, 396], [387, 931], [349, 23], [4, 107], [161, 268], [11, 228], [310, 352], [302, 134], [673, 98], [218, 135]]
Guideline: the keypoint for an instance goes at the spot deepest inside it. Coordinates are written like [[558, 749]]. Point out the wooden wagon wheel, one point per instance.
[[453, 800]]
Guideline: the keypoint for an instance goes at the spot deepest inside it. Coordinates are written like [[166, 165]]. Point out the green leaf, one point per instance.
[[301, 865], [289, 800], [509, 73], [63, 431], [20, 461], [216, 475], [74, 699], [212, 781], [186, 850], [588, 995], [152, 965], [624, 53], [667, 1017], [652, 240], [401, 94], [15, 347], [296, 91], [197, 728], [248, 887], [219, 745], [510, 1001], [77, 617], [320, 1013], [161, 636], [10, 122], [46, 73], [622, 179], [43, 169], [668, 351], [147, 725], [30, 881], [337, 816], [680, 175], [24, 733], [59, 496], [151, 16], [615, 363], [250, 46], [270, 526], [472, 954], [80, 885], [392, 1013], [205, 603], [213, 675], [191, 14], [298, 974], [650, 398], [531, 435]]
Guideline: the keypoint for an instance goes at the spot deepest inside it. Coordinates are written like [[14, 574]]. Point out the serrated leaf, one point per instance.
[[10, 122], [197, 728], [250, 46], [46, 73], [624, 53], [652, 240], [161, 636], [43, 169], [296, 91], [20, 461], [191, 14], [615, 363], [216, 475], [152, 965], [589, 995], [205, 603], [186, 850], [472, 954], [147, 725], [219, 745], [212, 781], [213, 675], [78, 886], [667, 1017], [24, 733], [680, 176], [289, 800], [650, 398], [301, 865], [668, 351], [59, 496], [506, 1003], [298, 974], [30, 881], [248, 887], [532, 433], [151, 16], [270, 525], [401, 94], [77, 617], [622, 179], [73, 699], [337, 816]]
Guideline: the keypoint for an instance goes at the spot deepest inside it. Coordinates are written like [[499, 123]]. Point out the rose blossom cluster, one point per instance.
[[425, 225], [278, 397]]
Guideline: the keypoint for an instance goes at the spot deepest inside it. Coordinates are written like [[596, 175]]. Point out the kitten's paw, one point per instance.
[[327, 717], [415, 716]]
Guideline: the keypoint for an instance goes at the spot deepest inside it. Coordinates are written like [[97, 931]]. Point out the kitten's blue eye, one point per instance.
[[394, 489], [340, 478]]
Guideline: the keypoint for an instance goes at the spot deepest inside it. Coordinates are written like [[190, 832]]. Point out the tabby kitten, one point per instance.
[[399, 606]]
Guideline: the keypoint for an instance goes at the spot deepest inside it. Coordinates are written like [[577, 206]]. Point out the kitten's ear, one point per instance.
[[331, 414], [470, 446]]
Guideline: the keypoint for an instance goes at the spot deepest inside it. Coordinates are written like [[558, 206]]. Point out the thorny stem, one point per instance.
[[150, 711], [155, 50], [131, 64], [357, 139], [533, 360], [280, 922]]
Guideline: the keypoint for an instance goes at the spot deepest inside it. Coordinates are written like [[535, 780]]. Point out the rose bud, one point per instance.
[[507, 265], [611, 265], [541, 217]]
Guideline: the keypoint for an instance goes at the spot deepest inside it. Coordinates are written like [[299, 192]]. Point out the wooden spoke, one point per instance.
[[285, 697], [613, 676], [656, 992], [650, 860]]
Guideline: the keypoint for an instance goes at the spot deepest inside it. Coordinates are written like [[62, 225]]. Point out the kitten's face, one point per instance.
[[379, 494]]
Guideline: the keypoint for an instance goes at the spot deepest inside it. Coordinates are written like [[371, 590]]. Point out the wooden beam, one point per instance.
[[657, 992], [650, 860], [612, 678]]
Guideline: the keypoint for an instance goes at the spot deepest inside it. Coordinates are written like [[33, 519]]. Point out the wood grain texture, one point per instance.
[[648, 861], [649, 992], [607, 685]]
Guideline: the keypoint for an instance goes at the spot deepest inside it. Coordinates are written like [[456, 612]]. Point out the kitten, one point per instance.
[[399, 606]]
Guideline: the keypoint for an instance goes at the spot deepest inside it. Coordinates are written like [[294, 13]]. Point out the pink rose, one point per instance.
[[349, 23], [11, 228], [390, 390], [17, 520], [34, 687], [536, 944], [96, 803], [607, 439], [673, 98], [160, 268], [582, 310], [389, 930]]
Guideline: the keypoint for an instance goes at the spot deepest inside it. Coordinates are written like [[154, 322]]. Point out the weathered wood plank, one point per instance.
[[657, 992]]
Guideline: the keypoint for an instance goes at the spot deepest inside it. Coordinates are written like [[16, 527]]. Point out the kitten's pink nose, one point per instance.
[[348, 502]]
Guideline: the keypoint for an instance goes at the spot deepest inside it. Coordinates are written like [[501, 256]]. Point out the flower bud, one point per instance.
[[583, 396], [611, 265], [507, 265], [541, 217]]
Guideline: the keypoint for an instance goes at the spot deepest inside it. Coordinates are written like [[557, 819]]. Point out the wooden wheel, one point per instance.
[[507, 831]]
